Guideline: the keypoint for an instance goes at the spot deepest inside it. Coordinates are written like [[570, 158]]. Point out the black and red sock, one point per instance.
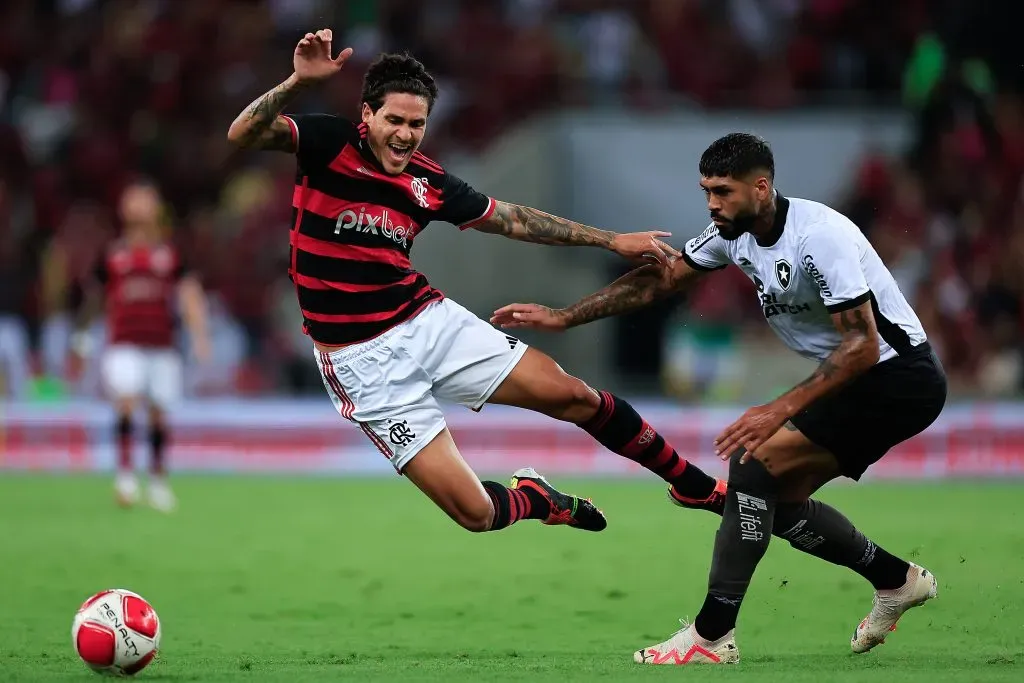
[[123, 433], [620, 429], [157, 445], [512, 505]]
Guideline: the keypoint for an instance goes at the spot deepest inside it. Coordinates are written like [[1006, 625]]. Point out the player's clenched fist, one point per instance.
[[530, 315], [312, 60]]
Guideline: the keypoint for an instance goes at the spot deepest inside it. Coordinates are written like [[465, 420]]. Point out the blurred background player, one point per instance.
[[143, 280]]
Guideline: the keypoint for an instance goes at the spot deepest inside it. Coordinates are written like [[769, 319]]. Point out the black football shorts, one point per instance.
[[893, 401]]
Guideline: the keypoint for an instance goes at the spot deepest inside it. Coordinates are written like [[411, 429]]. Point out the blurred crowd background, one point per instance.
[[96, 92]]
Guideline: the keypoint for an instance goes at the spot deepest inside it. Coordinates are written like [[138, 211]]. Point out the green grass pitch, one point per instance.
[[363, 580]]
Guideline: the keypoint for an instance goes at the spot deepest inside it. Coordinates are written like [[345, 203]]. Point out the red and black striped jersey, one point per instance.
[[354, 226], [140, 285]]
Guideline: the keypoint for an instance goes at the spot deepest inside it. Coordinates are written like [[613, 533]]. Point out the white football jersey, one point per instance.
[[819, 264]]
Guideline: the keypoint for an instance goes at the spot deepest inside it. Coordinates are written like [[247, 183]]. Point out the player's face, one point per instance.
[[140, 209], [396, 129], [733, 204]]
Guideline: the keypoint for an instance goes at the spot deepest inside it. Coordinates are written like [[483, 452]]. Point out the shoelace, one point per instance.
[[885, 605], [560, 517], [685, 623]]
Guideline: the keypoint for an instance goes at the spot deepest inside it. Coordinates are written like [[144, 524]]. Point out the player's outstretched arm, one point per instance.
[[260, 125], [857, 353], [532, 225], [194, 311], [634, 290]]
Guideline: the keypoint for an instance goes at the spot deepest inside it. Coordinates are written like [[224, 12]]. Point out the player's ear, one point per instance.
[[763, 187], [367, 113]]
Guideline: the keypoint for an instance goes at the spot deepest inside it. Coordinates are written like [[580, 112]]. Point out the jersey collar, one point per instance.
[[778, 225]]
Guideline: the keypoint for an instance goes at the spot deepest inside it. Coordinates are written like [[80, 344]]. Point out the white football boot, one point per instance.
[[889, 606], [687, 647], [126, 488], [160, 495]]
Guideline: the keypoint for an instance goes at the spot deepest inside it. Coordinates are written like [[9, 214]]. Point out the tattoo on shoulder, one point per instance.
[[278, 137], [853, 320]]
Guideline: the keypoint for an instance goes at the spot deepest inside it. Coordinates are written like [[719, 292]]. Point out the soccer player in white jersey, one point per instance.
[[826, 293]]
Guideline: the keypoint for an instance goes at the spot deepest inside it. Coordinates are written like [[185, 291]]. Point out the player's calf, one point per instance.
[[539, 383], [617, 426], [441, 473], [126, 486]]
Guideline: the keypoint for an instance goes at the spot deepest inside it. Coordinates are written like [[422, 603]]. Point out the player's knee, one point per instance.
[[156, 416], [582, 396], [475, 517], [125, 406], [477, 523], [751, 477], [574, 400]]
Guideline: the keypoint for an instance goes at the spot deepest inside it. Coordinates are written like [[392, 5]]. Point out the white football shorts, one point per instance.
[[389, 386], [131, 371]]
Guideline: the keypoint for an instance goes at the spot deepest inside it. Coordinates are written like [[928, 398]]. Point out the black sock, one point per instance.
[[620, 429], [820, 530], [512, 505], [740, 543], [123, 430], [157, 444]]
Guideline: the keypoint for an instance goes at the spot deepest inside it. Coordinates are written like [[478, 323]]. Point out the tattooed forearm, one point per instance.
[[828, 369], [856, 353], [530, 225], [634, 290], [259, 125]]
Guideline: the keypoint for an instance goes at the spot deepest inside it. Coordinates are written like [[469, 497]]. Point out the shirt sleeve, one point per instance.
[[831, 258], [461, 205], [319, 138], [706, 251]]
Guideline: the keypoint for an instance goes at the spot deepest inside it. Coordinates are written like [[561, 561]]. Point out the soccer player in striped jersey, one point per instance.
[[390, 346], [142, 279]]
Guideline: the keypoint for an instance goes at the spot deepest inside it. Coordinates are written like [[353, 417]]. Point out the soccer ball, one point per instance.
[[116, 632]]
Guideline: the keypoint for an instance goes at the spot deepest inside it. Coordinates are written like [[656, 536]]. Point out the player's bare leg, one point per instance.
[[440, 472], [126, 485], [538, 383], [159, 491]]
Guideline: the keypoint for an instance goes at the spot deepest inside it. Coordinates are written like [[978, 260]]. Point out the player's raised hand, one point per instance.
[[533, 316], [645, 246], [312, 60]]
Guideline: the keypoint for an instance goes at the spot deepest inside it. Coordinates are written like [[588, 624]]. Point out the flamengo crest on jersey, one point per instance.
[[354, 228], [819, 264]]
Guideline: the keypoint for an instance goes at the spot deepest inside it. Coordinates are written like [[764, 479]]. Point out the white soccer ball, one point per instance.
[[116, 632]]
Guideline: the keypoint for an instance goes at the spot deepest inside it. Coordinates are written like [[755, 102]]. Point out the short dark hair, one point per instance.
[[402, 73], [736, 155]]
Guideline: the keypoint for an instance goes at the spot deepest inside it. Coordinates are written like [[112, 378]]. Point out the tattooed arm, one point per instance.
[[857, 353], [634, 290], [260, 125], [531, 225]]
